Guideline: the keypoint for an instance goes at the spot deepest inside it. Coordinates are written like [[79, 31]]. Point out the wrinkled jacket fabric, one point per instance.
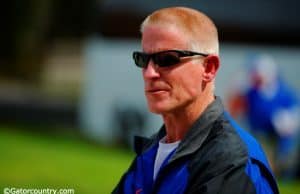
[[215, 156]]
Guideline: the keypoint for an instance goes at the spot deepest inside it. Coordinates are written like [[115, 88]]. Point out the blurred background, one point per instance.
[[71, 98]]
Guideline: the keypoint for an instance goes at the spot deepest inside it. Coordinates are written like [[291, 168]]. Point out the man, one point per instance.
[[271, 109], [199, 149]]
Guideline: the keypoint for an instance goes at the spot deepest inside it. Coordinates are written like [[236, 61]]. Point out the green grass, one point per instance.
[[31, 160], [42, 161]]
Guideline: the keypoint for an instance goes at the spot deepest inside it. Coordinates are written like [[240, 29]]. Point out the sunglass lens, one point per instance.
[[140, 59], [162, 59], [166, 59]]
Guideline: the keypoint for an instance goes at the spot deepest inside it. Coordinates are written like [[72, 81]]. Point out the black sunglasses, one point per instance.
[[162, 59]]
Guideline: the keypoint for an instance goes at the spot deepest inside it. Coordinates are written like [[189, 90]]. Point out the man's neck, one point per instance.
[[177, 123]]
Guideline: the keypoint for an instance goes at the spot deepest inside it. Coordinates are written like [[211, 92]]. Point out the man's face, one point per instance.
[[169, 89]]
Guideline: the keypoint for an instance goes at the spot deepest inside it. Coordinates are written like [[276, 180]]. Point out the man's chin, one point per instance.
[[155, 110], [158, 109]]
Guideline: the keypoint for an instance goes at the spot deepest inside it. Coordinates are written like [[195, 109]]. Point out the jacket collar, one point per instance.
[[195, 136], [199, 131]]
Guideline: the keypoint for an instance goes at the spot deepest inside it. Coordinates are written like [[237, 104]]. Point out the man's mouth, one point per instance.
[[156, 90]]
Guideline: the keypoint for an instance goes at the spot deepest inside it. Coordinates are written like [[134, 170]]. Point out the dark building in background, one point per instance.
[[257, 21]]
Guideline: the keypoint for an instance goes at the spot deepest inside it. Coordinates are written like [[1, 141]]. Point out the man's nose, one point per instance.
[[151, 71]]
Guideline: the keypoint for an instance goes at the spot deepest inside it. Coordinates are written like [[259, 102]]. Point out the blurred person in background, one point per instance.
[[271, 109], [199, 149]]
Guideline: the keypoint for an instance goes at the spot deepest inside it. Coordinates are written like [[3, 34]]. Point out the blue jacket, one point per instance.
[[261, 109], [215, 156]]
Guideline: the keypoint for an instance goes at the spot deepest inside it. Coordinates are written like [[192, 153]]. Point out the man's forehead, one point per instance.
[[162, 38]]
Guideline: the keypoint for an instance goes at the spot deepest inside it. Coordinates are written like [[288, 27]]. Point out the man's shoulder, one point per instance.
[[231, 150], [228, 145], [222, 148]]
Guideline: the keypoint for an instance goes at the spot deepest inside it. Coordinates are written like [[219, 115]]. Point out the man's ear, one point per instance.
[[211, 66]]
